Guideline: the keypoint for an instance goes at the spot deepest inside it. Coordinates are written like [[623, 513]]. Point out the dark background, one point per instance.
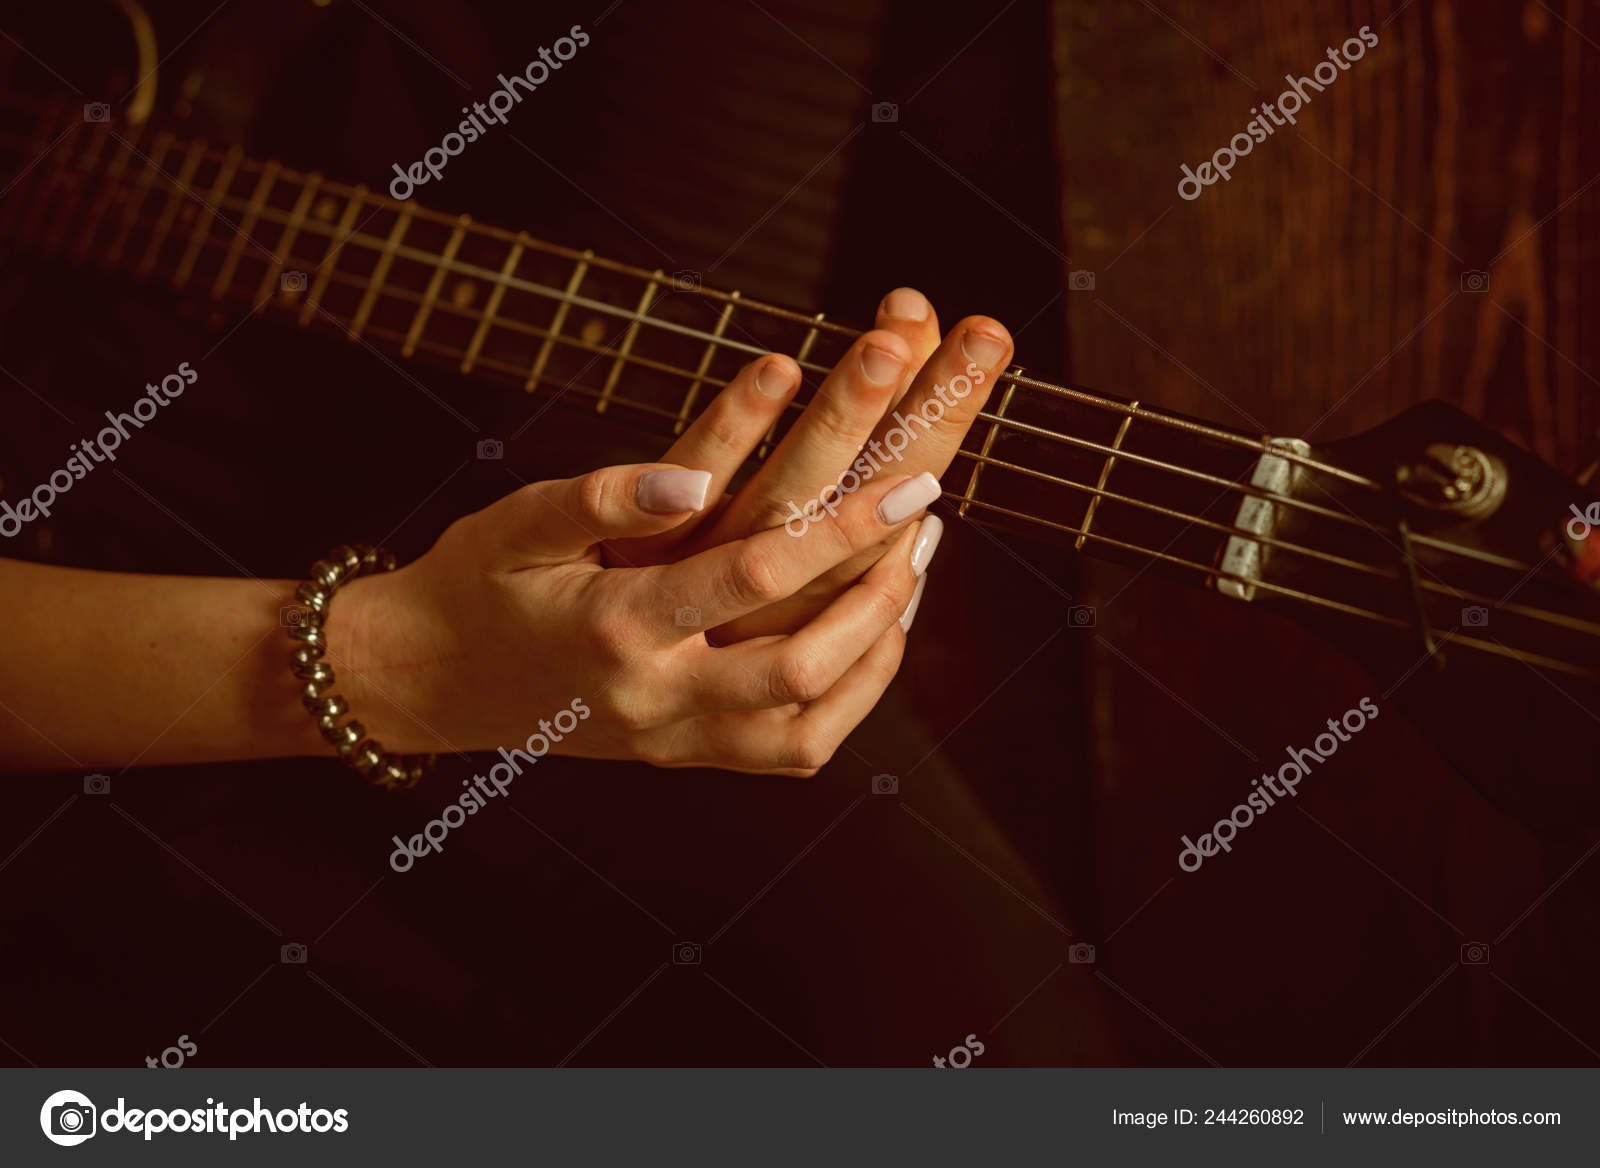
[[1044, 773]]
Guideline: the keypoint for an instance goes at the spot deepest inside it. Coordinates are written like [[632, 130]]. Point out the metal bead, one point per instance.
[[414, 774], [393, 775], [310, 634], [313, 690], [349, 557], [303, 656], [331, 706], [328, 573], [316, 671], [366, 758], [349, 734], [314, 596], [311, 617]]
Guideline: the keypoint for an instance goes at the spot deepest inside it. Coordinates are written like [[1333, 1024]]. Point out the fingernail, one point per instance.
[[908, 498], [906, 304], [775, 379], [910, 614], [982, 348], [665, 492], [927, 543], [880, 365]]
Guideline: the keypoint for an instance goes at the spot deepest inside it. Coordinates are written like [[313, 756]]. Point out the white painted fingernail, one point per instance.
[[908, 498], [927, 543], [910, 614], [665, 492]]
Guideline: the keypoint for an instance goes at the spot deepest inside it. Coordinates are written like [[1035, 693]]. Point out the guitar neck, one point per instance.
[[1102, 473]]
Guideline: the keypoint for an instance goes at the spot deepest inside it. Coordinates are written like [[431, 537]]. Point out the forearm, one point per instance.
[[106, 669]]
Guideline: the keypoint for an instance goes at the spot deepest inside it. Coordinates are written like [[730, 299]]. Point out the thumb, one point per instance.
[[560, 519]]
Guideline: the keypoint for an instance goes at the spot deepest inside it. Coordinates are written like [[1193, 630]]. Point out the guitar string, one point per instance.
[[371, 243], [1206, 571]]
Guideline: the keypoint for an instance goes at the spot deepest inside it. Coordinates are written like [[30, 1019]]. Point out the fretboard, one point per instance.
[[1101, 473]]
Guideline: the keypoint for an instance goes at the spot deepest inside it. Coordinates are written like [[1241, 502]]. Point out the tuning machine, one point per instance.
[[1454, 479]]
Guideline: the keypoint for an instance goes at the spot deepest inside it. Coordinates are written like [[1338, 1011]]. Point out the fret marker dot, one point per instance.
[[594, 331], [325, 209], [463, 294]]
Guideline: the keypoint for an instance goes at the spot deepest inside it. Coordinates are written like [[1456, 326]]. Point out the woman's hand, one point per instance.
[[902, 366], [512, 619]]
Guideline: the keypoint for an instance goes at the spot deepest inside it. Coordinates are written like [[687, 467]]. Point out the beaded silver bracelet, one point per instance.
[[341, 565]]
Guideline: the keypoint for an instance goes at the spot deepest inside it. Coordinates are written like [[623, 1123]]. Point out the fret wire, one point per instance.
[[130, 215], [1096, 493], [447, 262], [1089, 535], [435, 282], [1084, 398], [169, 209], [646, 302], [44, 190], [84, 166], [481, 333], [557, 321], [380, 273], [804, 351], [206, 216], [245, 233], [291, 231], [1105, 473], [1089, 399], [330, 258], [515, 372], [988, 445], [1210, 573], [110, 185], [994, 420], [705, 365]]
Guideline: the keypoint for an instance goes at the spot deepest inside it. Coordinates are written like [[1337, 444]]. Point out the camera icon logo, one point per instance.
[[97, 784], [1475, 616], [1080, 281], [292, 282], [1474, 281], [67, 1118], [885, 112], [292, 616], [1475, 953], [293, 953], [686, 953], [885, 785], [1081, 954], [686, 279], [1081, 616], [97, 111], [491, 448], [687, 617]]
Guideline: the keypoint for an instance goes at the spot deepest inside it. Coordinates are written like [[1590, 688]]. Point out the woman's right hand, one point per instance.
[[511, 618]]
